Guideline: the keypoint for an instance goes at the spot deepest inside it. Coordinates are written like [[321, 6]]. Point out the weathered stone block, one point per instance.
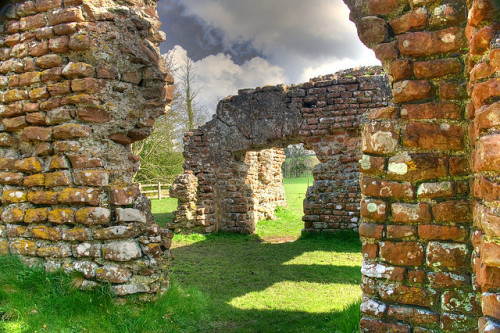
[[383, 271], [371, 325], [121, 251], [401, 231], [380, 138], [402, 253], [371, 230], [372, 30], [382, 188], [47, 233], [116, 232], [411, 90], [113, 274], [55, 251], [448, 279], [61, 215], [36, 215], [374, 210], [438, 232], [400, 293], [76, 234], [436, 68], [413, 315], [90, 196], [447, 254], [452, 211], [412, 21], [411, 213], [460, 301], [93, 215], [433, 136], [65, 15], [424, 44], [87, 250], [43, 197], [23, 247], [71, 131], [130, 215]]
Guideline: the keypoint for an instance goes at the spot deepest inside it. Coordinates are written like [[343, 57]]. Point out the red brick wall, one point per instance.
[[430, 221]]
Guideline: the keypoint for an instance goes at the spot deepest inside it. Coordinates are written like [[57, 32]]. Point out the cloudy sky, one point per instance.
[[247, 43]]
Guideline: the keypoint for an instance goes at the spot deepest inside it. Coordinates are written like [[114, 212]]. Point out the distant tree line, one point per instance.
[[299, 161]]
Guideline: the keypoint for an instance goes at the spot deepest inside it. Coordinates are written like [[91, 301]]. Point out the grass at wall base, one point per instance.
[[274, 281]]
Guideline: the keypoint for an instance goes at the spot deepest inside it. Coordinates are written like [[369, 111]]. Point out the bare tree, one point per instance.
[[160, 153], [195, 114]]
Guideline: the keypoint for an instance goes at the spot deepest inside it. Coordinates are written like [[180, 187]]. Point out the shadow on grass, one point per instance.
[[244, 278], [163, 218]]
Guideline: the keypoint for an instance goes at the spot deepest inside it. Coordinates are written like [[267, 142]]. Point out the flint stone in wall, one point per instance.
[[116, 232], [87, 268], [87, 250], [121, 251], [113, 274], [130, 215], [126, 289]]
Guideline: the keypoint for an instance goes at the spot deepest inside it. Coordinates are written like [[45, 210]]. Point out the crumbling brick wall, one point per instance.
[[233, 163], [79, 82], [430, 213]]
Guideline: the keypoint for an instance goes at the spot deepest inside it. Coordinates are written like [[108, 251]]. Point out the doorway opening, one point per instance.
[[297, 176]]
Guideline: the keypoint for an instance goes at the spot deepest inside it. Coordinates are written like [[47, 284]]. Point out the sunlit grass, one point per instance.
[[163, 210], [277, 279], [326, 258], [310, 297], [289, 221], [309, 285], [31, 300]]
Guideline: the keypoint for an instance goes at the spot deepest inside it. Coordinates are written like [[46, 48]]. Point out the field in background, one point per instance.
[[276, 280]]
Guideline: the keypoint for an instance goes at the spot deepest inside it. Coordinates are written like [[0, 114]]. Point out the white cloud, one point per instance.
[[298, 40], [332, 65], [218, 76], [283, 29]]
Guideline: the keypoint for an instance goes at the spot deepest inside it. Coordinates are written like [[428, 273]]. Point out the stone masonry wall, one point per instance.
[[430, 207], [80, 80], [233, 163]]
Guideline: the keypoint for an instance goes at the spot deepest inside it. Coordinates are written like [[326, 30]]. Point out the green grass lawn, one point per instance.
[[289, 223], [309, 285], [274, 281], [163, 210]]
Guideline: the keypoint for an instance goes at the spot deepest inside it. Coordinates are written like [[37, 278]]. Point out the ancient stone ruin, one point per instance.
[[80, 81], [233, 163]]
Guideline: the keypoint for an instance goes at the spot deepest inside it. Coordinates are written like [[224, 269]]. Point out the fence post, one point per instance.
[[159, 191]]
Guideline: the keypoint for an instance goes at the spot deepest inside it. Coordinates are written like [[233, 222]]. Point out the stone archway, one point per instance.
[[233, 163]]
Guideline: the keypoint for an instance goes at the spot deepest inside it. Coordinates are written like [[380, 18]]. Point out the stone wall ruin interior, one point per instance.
[[233, 163], [80, 81]]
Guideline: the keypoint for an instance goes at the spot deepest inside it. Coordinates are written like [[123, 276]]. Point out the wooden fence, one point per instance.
[[157, 188]]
